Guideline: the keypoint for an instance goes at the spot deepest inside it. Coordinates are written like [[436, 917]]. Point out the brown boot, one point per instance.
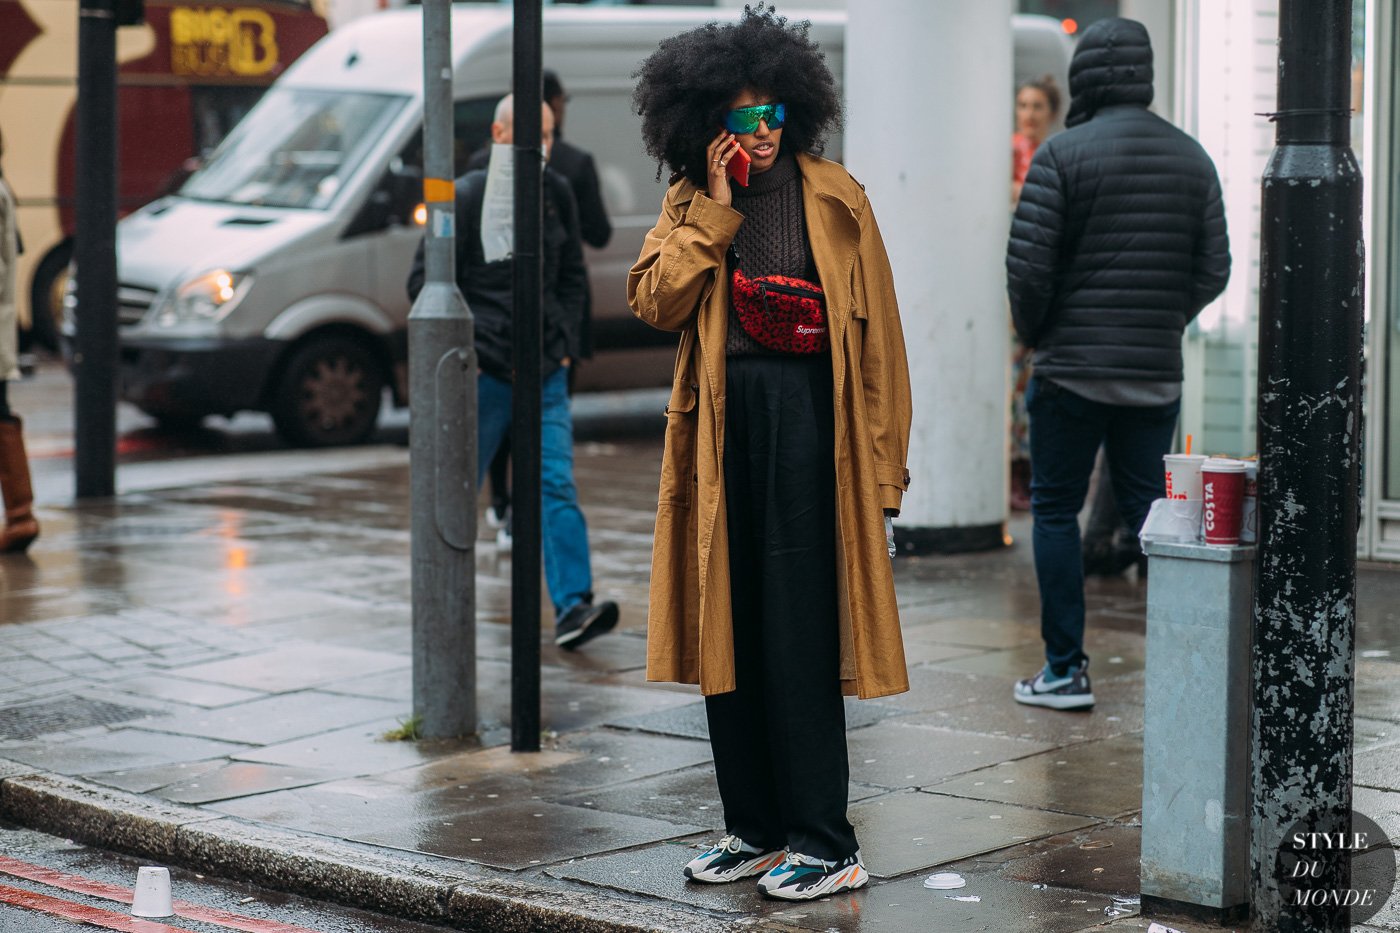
[[21, 528]]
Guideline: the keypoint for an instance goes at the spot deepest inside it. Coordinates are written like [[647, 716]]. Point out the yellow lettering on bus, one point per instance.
[[208, 41]]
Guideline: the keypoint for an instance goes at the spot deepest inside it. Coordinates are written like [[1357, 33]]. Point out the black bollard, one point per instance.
[[1310, 323], [95, 251], [525, 414]]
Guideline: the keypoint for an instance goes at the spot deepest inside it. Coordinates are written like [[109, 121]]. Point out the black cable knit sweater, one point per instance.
[[772, 240]]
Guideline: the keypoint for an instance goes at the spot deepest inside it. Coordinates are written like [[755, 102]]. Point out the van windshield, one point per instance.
[[295, 149]]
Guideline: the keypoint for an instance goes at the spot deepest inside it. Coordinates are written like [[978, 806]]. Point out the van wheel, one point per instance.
[[329, 394]]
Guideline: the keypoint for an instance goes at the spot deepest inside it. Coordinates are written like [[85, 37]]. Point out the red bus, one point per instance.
[[185, 78]]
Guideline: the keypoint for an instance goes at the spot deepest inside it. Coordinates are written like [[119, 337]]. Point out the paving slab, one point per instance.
[[522, 834], [907, 832], [1118, 712], [277, 719], [124, 748], [348, 752], [1373, 733], [1103, 859], [688, 720], [1378, 689], [1101, 779], [690, 796], [929, 625], [897, 754], [1383, 807], [294, 667], [594, 760], [1378, 768], [1113, 654]]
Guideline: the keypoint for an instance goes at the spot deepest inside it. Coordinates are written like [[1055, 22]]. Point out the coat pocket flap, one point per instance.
[[682, 398]]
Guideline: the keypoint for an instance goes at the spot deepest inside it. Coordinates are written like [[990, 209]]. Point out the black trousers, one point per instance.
[[779, 740]]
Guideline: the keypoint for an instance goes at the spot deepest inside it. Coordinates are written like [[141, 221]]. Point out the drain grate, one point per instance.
[[35, 719]]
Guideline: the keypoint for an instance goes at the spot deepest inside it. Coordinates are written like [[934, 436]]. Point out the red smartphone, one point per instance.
[[738, 166]]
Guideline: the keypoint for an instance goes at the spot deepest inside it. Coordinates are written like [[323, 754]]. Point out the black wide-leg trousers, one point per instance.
[[779, 740]]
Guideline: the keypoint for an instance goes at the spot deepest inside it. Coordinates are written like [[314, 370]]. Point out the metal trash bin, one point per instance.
[[1195, 787]]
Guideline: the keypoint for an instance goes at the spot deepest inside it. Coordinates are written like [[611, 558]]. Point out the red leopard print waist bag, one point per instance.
[[781, 312]]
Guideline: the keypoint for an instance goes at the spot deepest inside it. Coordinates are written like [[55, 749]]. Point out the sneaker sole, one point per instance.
[[603, 624], [759, 866], [849, 880], [1053, 701]]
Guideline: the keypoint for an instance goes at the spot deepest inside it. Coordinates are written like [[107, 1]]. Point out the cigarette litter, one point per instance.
[[966, 898], [945, 881]]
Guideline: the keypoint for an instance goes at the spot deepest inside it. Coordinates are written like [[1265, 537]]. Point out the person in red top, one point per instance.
[[1037, 106]]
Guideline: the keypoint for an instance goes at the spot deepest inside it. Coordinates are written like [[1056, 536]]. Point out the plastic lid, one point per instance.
[[1224, 465], [945, 881]]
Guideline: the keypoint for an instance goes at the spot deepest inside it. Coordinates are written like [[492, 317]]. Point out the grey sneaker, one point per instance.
[[1071, 690], [583, 623]]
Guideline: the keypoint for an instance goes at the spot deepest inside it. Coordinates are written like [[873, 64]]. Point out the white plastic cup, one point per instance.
[[152, 897], [1249, 514], [1183, 475]]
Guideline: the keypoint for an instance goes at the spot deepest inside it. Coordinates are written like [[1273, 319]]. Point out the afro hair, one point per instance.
[[688, 83]]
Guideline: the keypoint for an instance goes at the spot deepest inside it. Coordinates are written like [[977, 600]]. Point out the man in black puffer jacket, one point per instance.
[[1117, 243]]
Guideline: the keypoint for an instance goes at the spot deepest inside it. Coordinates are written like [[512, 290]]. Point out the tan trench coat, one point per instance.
[[9, 284], [673, 287]]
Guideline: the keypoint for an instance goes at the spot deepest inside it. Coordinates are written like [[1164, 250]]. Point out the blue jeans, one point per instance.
[[565, 534], [1066, 433]]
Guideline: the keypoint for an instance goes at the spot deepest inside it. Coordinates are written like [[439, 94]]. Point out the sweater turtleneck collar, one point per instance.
[[783, 171]]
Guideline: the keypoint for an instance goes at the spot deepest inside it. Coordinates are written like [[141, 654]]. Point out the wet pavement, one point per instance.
[[233, 634]]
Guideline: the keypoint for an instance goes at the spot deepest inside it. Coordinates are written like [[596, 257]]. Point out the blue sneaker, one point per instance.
[[731, 859], [1070, 690], [805, 878]]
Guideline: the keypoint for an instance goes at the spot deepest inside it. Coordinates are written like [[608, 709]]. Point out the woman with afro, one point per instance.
[[787, 431]]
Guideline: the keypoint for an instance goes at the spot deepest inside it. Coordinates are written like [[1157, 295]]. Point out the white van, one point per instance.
[[274, 279]]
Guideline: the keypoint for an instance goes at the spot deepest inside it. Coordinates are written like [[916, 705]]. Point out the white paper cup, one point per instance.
[[152, 897], [1183, 475]]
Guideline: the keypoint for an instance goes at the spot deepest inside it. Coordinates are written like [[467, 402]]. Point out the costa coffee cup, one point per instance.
[[1183, 475], [1249, 512], [1222, 483]]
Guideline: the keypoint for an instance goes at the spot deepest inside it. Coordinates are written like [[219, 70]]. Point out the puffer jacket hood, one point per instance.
[[1111, 66]]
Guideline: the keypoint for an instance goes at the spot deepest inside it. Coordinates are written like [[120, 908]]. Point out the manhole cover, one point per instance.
[[26, 722]]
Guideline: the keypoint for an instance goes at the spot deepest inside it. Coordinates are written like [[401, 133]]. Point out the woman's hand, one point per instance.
[[720, 151]]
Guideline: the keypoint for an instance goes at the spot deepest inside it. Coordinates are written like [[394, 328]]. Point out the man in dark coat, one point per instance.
[[576, 166], [488, 287], [1117, 244]]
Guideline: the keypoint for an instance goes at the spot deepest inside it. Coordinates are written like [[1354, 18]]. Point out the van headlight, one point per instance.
[[209, 297]]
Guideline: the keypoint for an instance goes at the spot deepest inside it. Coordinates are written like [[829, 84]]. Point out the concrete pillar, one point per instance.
[[928, 104]]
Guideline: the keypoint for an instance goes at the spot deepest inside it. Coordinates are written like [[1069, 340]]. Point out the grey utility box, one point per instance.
[[1195, 782]]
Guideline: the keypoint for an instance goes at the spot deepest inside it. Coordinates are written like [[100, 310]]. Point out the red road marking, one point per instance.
[[76, 884], [80, 913]]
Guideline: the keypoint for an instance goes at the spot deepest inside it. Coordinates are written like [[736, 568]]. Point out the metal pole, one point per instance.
[[95, 357], [442, 392], [1309, 440], [525, 420]]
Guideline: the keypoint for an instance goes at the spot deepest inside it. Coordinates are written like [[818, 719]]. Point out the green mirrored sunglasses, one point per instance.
[[745, 119]]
